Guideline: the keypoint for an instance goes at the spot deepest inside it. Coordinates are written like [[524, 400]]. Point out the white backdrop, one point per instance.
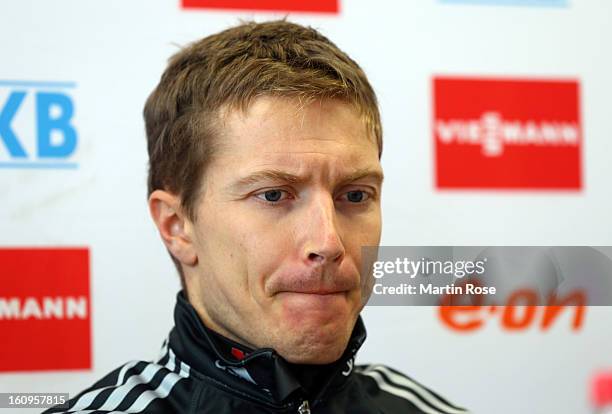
[[115, 52]]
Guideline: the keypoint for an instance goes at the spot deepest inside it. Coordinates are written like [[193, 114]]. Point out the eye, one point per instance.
[[357, 196], [272, 196]]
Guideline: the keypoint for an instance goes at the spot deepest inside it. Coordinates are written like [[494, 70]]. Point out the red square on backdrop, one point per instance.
[[507, 133], [315, 6], [45, 311]]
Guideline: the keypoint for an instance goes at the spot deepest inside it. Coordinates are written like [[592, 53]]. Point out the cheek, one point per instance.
[[221, 251], [364, 230], [361, 233], [266, 253]]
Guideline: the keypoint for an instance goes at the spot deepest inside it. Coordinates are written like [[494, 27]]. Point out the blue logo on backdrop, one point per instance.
[[536, 3], [36, 128]]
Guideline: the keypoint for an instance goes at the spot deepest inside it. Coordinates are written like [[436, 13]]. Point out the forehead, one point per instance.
[[286, 132]]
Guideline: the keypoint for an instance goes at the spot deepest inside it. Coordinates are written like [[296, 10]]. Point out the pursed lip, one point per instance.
[[320, 292], [314, 294], [314, 282]]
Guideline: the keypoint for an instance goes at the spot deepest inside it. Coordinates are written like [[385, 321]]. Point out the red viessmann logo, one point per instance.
[[316, 6], [44, 309], [507, 134]]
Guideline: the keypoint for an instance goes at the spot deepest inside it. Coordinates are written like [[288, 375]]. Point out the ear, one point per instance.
[[174, 228]]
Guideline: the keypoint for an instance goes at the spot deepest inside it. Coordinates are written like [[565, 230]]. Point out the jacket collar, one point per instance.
[[260, 373]]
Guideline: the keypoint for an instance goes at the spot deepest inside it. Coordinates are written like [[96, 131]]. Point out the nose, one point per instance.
[[322, 240]]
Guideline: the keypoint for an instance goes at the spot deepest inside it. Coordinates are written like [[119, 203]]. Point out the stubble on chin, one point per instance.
[[318, 345]]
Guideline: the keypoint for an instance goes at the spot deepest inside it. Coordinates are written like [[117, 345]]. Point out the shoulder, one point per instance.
[[137, 386], [397, 392]]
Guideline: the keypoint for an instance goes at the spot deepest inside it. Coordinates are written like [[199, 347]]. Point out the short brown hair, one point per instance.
[[231, 68]]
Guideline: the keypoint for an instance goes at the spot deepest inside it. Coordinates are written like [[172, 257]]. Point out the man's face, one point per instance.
[[290, 198]]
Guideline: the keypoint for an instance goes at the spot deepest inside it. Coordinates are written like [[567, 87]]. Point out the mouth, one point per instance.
[[321, 292], [313, 301]]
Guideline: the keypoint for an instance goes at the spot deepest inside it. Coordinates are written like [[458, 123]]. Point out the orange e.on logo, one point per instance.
[[520, 313]]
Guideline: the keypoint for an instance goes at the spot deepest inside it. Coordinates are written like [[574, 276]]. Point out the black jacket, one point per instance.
[[200, 371]]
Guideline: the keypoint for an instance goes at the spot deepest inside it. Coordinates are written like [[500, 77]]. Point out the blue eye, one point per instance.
[[356, 196], [271, 196]]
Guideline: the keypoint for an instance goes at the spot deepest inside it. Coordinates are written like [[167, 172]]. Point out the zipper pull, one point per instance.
[[304, 408]]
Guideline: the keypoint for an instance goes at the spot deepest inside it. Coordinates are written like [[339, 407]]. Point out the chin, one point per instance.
[[313, 334], [314, 354], [320, 344]]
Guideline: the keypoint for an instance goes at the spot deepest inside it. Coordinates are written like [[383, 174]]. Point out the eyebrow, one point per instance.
[[283, 176], [377, 175]]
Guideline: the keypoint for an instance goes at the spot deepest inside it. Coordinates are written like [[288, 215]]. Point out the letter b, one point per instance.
[[47, 124]]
